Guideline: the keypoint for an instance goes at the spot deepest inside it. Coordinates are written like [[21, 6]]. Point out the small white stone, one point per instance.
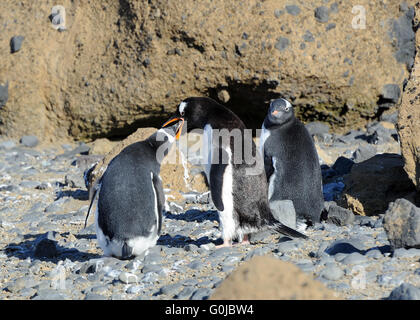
[[128, 277]]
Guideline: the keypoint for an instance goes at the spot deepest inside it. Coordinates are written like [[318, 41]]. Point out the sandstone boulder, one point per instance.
[[268, 278], [119, 65], [409, 119]]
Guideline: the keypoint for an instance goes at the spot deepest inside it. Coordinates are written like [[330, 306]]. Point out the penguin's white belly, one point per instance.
[[207, 149], [139, 244], [227, 222], [264, 136], [226, 216], [271, 181]]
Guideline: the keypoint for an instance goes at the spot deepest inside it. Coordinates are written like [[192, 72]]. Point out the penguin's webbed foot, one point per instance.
[[226, 243], [245, 240]]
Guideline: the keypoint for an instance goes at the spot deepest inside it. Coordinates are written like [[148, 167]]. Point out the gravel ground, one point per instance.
[[46, 254]]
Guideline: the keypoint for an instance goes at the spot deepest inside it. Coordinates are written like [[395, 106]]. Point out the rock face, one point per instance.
[[265, 277], [402, 224], [119, 65], [372, 184], [409, 119]]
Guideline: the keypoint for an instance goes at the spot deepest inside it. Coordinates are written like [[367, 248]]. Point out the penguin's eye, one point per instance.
[[286, 108]]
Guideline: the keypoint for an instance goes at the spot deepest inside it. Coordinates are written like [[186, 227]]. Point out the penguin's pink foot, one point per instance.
[[245, 240], [226, 243]]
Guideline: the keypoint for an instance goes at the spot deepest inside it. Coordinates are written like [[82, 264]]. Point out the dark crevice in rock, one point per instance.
[[249, 101], [127, 14], [191, 42]]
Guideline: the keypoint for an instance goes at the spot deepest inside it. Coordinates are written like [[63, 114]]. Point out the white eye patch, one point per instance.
[[182, 107], [288, 105]]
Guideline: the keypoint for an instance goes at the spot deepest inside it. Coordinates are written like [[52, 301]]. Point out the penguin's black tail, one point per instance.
[[283, 229], [126, 252]]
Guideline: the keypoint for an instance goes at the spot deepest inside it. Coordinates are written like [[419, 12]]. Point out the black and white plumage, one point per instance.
[[240, 197], [130, 198], [291, 162]]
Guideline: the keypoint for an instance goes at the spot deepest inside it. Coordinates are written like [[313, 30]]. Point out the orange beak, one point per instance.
[[179, 129], [274, 112]]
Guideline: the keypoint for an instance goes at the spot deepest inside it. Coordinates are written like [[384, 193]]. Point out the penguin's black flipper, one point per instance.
[[216, 185], [268, 166], [158, 188], [283, 229]]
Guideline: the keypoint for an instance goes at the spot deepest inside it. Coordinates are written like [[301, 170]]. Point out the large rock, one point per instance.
[[402, 224], [372, 184], [405, 291], [120, 65], [409, 119], [268, 278]]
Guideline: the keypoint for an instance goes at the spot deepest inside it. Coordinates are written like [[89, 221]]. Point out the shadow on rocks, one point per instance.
[[78, 194], [45, 247], [194, 215], [180, 241]]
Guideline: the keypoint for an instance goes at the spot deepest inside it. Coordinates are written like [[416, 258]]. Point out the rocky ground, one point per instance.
[[45, 253]]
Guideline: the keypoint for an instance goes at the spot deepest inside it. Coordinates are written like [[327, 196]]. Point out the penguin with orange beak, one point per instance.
[[291, 163], [240, 197]]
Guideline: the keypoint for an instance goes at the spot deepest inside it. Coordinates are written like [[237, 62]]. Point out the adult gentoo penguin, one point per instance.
[[130, 198], [240, 197], [291, 162]]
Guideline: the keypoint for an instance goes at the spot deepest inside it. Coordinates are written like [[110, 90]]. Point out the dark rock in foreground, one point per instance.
[[402, 224]]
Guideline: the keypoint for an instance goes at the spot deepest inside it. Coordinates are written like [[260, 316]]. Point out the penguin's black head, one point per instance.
[[194, 111], [280, 111]]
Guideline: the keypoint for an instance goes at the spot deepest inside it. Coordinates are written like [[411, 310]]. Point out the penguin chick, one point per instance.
[[130, 198], [291, 162]]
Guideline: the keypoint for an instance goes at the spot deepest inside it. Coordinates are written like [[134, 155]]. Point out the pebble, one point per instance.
[[49, 294], [374, 254], [16, 43], [294, 10], [95, 296], [127, 277], [4, 95], [339, 216], [201, 294], [185, 293], [406, 253], [171, 289], [29, 141], [354, 258], [332, 272], [7, 145], [287, 246], [322, 14], [390, 279], [136, 289]]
